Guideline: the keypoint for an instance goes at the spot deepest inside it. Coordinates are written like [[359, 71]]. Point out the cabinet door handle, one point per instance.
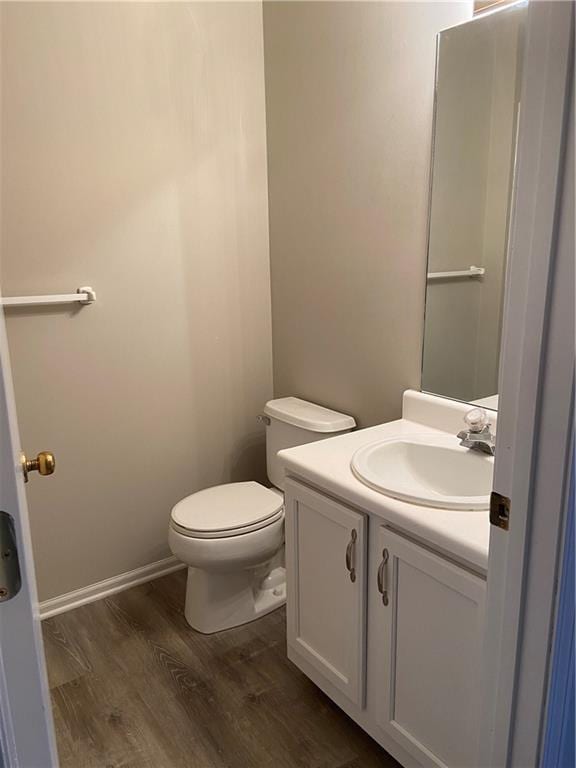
[[351, 555], [383, 577]]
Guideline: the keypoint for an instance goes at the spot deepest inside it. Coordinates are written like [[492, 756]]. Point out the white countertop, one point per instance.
[[326, 465]]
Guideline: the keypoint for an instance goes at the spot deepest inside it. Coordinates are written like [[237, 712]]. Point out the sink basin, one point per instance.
[[429, 470]]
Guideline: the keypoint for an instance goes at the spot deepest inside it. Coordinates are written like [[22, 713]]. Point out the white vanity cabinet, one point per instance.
[[326, 587], [428, 657], [397, 642]]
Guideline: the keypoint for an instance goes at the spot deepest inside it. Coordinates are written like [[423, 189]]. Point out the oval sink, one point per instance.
[[430, 470]]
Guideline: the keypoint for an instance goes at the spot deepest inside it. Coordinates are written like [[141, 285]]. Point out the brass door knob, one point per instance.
[[44, 463]]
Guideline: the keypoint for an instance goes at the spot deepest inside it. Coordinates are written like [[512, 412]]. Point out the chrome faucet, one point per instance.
[[478, 436]]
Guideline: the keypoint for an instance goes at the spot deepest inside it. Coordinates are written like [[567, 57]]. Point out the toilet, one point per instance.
[[231, 536]]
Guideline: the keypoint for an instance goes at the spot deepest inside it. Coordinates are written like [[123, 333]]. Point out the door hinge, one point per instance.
[[10, 579], [499, 510]]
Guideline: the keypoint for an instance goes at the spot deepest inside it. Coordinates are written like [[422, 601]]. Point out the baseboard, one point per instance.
[[111, 586]]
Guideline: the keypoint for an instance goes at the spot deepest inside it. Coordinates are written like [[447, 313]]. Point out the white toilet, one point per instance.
[[231, 536]]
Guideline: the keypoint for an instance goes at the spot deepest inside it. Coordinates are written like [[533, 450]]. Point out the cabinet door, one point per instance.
[[326, 581], [428, 652]]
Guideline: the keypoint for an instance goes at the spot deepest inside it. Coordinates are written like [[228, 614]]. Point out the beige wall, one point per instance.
[[133, 159], [349, 90]]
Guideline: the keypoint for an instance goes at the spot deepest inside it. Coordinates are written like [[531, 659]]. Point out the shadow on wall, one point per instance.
[[250, 452]]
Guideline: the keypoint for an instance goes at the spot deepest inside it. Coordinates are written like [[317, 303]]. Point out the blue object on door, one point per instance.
[[558, 751]]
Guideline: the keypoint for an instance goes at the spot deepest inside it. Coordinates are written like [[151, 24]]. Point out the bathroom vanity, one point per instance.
[[385, 598]]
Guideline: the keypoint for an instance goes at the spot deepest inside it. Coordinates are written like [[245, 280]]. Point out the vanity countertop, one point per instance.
[[326, 465]]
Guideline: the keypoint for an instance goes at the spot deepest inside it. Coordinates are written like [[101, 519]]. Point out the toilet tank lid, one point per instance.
[[315, 418]]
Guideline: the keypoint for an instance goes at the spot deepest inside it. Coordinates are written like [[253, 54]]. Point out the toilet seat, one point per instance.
[[227, 510]]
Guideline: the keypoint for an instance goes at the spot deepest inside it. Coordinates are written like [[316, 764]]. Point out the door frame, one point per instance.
[[536, 400]]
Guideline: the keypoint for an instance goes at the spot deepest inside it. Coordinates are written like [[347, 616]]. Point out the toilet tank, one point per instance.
[[290, 422]]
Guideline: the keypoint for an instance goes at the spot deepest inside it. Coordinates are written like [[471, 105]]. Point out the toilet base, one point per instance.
[[221, 600]]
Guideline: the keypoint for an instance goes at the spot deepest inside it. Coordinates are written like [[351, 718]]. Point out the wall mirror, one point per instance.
[[473, 154]]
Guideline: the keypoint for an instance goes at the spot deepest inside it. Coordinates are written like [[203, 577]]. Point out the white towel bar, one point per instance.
[[471, 272], [84, 295]]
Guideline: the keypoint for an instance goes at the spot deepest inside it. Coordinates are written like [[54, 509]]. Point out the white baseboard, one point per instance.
[[108, 587]]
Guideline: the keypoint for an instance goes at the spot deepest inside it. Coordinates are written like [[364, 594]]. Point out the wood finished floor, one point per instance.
[[133, 686]]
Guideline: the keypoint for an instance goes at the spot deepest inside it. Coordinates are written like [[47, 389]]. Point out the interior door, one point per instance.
[[429, 627], [326, 564], [536, 416], [27, 735]]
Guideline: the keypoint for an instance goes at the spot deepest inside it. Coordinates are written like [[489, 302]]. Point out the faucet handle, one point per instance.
[[477, 419]]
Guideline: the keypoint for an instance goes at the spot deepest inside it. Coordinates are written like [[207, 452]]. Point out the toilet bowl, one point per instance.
[[231, 536]]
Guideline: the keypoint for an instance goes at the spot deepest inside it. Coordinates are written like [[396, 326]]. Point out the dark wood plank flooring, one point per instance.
[[134, 687]]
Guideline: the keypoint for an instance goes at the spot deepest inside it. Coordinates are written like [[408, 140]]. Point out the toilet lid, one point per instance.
[[225, 509]]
